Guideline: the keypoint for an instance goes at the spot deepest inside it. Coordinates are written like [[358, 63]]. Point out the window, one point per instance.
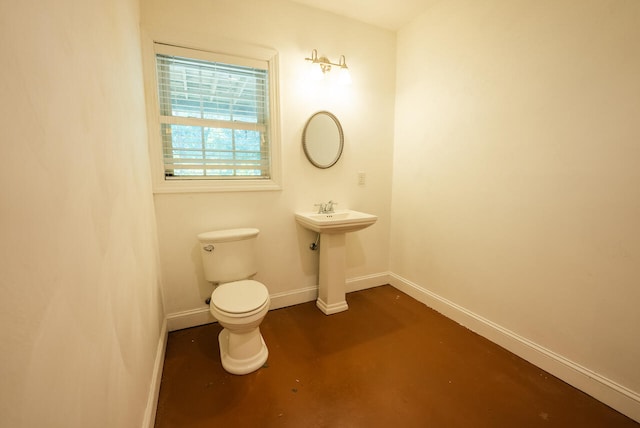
[[216, 119]]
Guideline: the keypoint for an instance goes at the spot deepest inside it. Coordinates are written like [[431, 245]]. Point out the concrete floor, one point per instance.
[[389, 361]]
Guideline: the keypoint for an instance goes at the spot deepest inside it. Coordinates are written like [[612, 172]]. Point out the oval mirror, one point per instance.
[[323, 139]]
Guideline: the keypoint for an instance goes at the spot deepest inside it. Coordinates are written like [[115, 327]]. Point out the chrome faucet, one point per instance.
[[327, 208]]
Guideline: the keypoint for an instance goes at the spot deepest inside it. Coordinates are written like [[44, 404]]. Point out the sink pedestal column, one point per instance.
[[331, 293]]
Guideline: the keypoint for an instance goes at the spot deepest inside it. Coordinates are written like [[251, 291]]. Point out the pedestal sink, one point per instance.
[[332, 228]]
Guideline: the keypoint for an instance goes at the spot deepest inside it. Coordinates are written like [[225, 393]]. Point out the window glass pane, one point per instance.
[[182, 147], [206, 90], [225, 94], [248, 149], [198, 151], [218, 139]]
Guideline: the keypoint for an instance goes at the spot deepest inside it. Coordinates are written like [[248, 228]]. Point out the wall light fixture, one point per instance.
[[321, 66]]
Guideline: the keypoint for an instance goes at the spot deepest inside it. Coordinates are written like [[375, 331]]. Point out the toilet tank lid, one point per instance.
[[228, 235]]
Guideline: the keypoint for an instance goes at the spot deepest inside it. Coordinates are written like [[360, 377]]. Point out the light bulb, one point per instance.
[[345, 77], [316, 72]]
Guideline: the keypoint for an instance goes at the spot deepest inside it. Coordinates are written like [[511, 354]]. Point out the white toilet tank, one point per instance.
[[228, 255]]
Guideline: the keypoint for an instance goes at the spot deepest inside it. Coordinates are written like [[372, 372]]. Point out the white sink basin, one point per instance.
[[341, 221]]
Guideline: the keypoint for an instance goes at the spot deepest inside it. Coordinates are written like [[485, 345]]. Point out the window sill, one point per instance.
[[207, 186]]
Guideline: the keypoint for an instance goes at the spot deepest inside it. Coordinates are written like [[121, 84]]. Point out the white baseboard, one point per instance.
[[188, 319], [294, 297], [367, 281], [201, 316], [603, 389], [156, 377]]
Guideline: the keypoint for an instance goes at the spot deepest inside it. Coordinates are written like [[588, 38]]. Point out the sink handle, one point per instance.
[[321, 207]]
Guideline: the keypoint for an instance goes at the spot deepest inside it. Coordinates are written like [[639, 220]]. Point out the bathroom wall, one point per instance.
[[365, 110], [516, 190], [81, 312]]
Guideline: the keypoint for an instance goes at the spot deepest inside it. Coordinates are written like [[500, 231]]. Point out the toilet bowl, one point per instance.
[[238, 302], [240, 307]]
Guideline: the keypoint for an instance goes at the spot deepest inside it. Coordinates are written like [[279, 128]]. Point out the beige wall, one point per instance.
[[365, 110], [80, 311], [514, 182], [516, 186]]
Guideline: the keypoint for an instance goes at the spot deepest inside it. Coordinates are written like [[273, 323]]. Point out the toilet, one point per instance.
[[238, 302]]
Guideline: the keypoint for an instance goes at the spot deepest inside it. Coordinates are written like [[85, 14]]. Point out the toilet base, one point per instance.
[[242, 353]]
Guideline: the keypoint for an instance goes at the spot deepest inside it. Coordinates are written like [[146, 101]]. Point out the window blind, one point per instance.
[[214, 118]]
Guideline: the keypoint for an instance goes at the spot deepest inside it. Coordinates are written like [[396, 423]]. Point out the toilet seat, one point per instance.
[[240, 298]]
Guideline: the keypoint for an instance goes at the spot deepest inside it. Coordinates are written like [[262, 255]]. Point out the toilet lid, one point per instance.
[[240, 296]]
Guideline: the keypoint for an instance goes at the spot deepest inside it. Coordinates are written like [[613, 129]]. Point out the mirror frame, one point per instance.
[[305, 142]]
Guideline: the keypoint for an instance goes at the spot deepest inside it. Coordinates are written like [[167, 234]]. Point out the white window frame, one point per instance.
[[237, 54]]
